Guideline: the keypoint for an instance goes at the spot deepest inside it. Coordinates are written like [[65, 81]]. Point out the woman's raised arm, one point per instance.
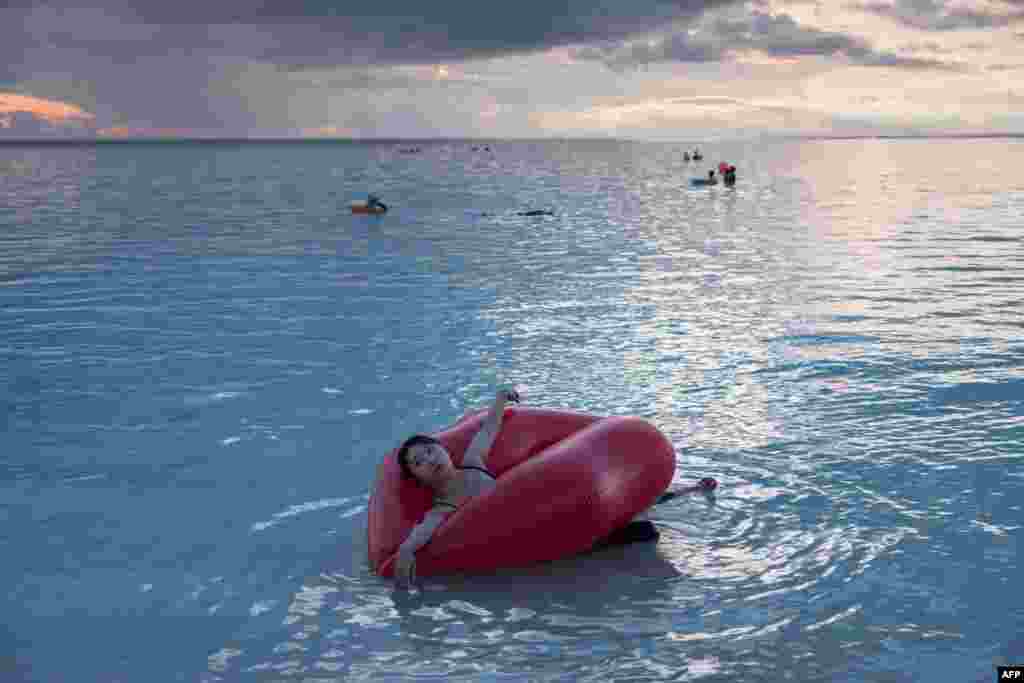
[[476, 453]]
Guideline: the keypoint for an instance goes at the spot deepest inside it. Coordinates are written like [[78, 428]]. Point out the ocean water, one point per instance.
[[205, 356]]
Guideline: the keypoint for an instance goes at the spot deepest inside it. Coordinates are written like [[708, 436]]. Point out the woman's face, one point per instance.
[[431, 464]]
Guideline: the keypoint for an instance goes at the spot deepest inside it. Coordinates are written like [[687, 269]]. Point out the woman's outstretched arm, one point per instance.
[[405, 563], [476, 453]]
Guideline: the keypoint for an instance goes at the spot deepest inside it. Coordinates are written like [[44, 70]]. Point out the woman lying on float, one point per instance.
[[506, 488]]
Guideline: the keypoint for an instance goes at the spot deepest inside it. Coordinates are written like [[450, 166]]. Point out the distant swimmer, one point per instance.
[[710, 180], [534, 212], [372, 205]]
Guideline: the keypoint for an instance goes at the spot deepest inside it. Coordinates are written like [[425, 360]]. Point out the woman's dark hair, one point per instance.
[[403, 452]]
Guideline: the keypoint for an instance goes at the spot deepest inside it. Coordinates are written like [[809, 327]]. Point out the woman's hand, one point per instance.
[[510, 395]]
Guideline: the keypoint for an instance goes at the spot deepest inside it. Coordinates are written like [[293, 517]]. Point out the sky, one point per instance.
[[642, 69]]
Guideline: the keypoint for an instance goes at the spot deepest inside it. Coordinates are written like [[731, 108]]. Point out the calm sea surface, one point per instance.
[[205, 356]]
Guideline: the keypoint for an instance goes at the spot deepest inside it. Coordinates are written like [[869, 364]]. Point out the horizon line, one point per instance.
[[90, 141]]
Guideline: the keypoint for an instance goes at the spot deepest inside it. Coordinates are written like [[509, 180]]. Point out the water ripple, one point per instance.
[[205, 360]]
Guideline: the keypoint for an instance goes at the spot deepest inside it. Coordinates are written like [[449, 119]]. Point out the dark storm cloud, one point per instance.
[[676, 48], [149, 62], [939, 15], [776, 35], [323, 33]]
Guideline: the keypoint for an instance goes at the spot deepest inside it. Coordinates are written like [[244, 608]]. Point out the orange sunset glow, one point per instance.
[[142, 132], [329, 132], [53, 112]]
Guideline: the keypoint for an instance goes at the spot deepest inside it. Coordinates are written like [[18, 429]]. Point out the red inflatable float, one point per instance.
[[565, 480]]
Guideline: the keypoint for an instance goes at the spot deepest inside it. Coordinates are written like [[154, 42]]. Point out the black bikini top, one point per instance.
[[478, 469], [453, 506]]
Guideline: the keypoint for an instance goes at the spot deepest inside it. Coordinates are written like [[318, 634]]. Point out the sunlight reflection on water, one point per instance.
[[199, 393]]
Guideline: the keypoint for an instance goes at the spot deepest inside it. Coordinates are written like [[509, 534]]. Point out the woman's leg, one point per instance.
[[640, 528], [634, 532]]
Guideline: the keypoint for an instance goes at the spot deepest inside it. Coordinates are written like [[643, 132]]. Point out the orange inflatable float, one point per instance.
[[565, 480]]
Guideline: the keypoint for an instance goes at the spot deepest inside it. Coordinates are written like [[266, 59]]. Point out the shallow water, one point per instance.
[[206, 357]]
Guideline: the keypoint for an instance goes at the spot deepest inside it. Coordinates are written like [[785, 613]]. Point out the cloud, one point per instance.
[[26, 116], [54, 113], [383, 78], [150, 64], [317, 33], [674, 48], [849, 114], [266, 67], [677, 117], [775, 35], [939, 15], [929, 46]]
